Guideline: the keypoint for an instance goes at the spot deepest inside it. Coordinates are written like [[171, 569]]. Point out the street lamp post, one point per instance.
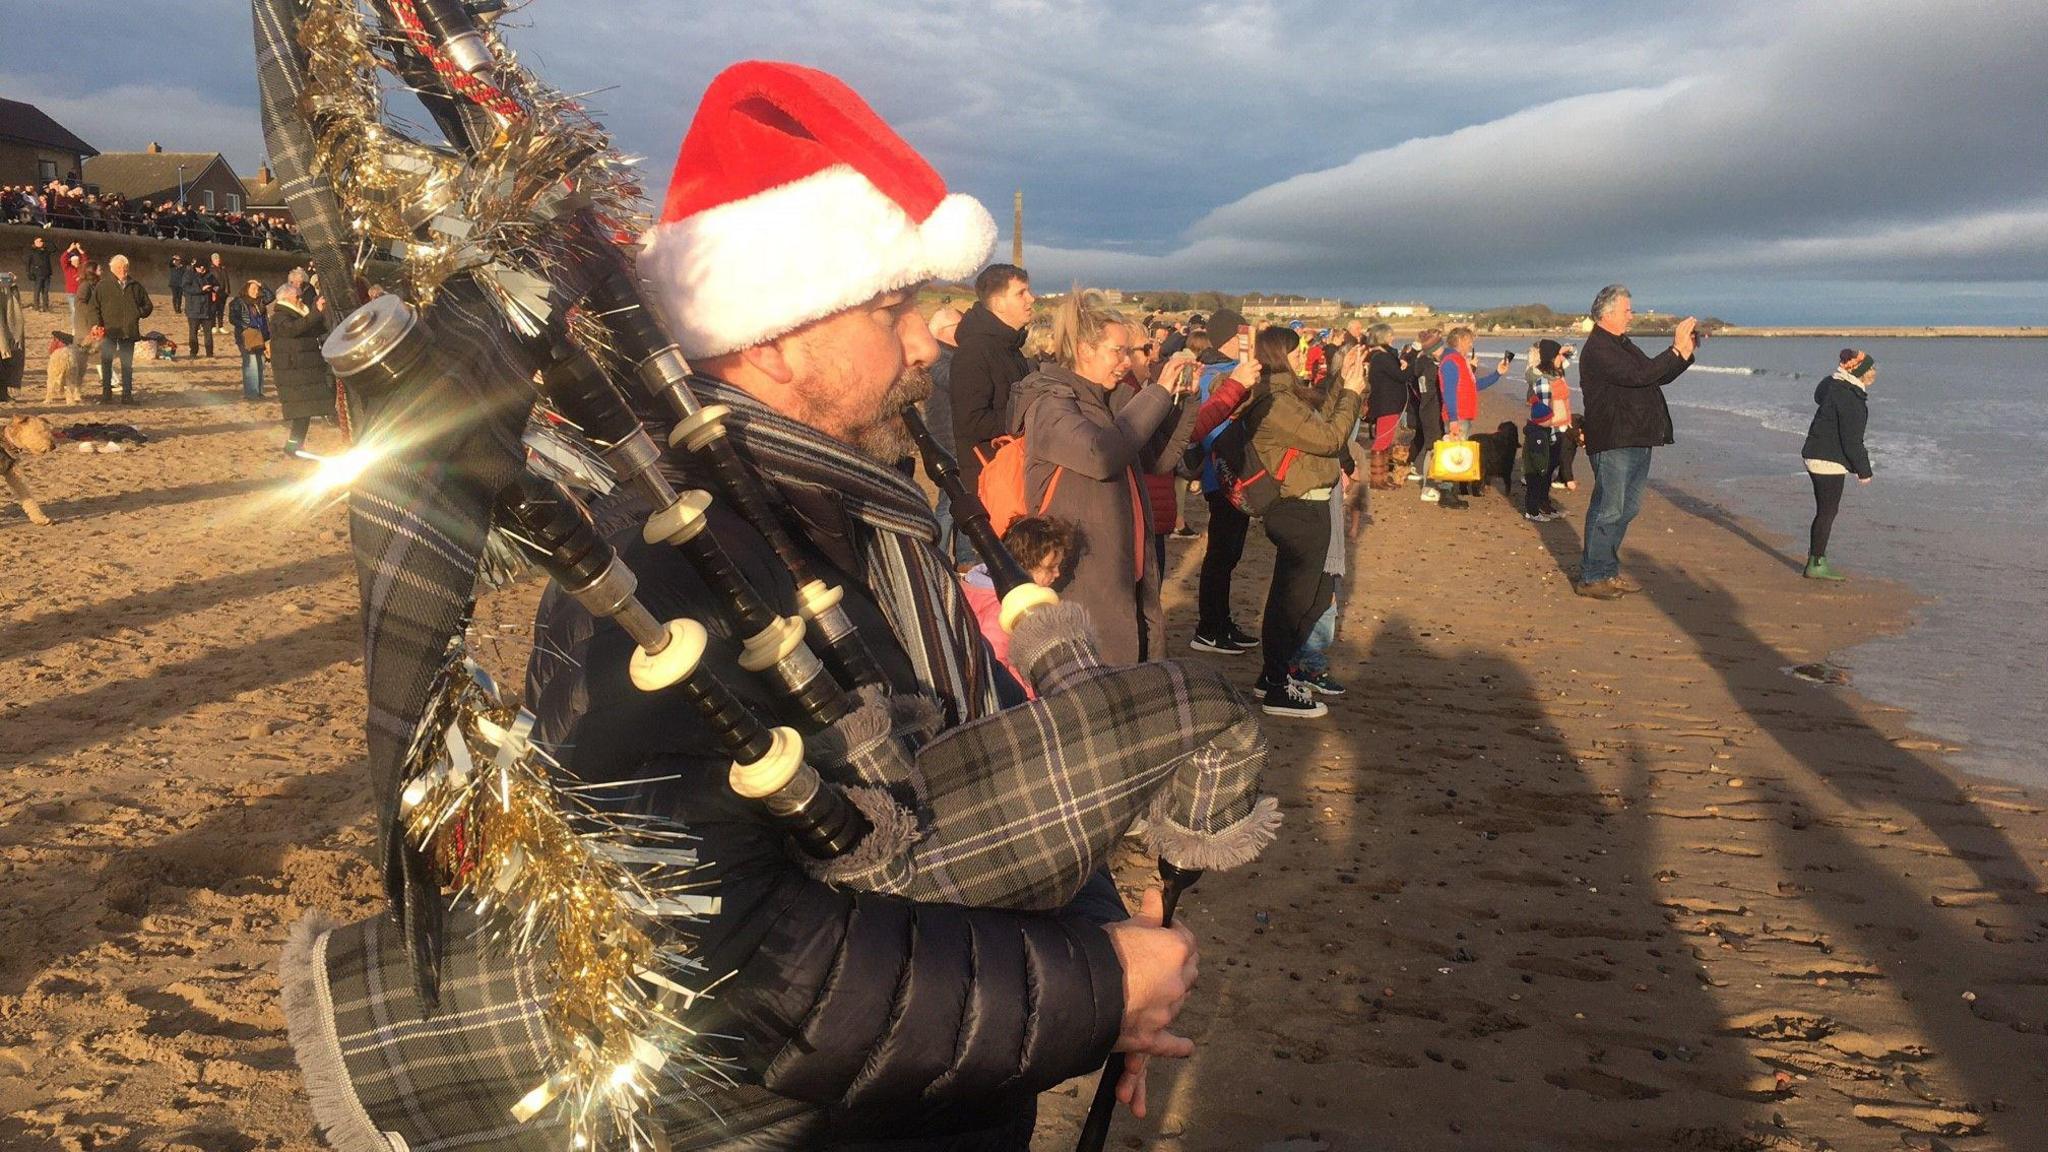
[[181, 185]]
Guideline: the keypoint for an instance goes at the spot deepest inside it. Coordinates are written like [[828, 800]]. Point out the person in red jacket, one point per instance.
[[1460, 389]]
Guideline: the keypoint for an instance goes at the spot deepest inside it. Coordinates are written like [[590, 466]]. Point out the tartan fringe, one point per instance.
[[916, 717], [309, 1021], [883, 861], [1055, 646], [1228, 847]]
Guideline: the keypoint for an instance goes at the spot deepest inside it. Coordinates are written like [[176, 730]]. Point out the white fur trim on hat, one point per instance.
[[743, 273]]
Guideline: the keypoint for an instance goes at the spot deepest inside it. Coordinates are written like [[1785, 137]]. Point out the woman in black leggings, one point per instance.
[[1834, 449]]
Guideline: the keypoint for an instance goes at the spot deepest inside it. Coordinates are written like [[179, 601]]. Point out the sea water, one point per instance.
[[1958, 440]]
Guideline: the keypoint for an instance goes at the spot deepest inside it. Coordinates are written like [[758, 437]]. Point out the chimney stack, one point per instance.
[[155, 148], [263, 174]]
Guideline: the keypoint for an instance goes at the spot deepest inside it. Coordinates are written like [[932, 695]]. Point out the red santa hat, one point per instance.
[[791, 201]]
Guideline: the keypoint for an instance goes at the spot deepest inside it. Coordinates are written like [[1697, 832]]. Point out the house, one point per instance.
[[1385, 310], [35, 149], [266, 195], [1294, 307], [201, 179]]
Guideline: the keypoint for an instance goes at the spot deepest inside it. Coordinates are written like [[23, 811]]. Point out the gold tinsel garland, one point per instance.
[[591, 896], [443, 213]]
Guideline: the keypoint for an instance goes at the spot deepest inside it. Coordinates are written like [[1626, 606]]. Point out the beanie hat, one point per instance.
[[1857, 363], [1546, 351], [1223, 326], [791, 200]]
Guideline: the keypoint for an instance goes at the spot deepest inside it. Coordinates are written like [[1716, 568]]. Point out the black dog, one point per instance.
[[1497, 456]]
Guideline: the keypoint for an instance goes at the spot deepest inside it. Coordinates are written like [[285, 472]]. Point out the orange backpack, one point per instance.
[[1002, 483]]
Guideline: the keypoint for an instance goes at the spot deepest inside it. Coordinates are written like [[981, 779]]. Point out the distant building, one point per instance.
[[1385, 310], [35, 149], [266, 195], [202, 179], [1292, 307]]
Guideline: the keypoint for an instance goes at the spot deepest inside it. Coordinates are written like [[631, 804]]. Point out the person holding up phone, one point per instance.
[[1626, 417], [1461, 388]]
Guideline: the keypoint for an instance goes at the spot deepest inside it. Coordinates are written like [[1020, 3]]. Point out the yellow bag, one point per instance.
[[1454, 460]]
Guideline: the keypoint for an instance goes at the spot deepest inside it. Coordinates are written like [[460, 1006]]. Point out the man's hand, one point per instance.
[[1160, 968], [99, 332], [1681, 337]]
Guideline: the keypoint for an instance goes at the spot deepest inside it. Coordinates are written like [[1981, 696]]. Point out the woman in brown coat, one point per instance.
[[1083, 460]]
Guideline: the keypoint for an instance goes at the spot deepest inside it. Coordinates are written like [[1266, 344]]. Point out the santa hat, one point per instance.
[[791, 201]]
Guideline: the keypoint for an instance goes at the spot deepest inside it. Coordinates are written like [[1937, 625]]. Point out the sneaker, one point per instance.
[[1555, 513], [1216, 646], [1242, 638], [1557, 483], [1818, 568], [1263, 685], [1298, 700], [1599, 590], [1625, 584], [1413, 477], [1184, 533], [1431, 495], [1321, 683], [1537, 517]]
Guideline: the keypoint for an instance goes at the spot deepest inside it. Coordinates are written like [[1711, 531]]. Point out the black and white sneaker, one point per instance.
[[1216, 645], [1292, 699], [1242, 638]]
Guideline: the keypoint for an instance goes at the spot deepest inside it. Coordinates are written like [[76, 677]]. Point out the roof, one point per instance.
[[31, 125], [263, 193], [137, 175]]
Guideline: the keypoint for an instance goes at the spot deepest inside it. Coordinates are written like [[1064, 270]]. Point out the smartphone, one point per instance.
[[1508, 356], [1244, 339]]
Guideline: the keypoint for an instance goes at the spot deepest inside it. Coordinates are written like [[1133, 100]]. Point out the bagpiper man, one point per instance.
[[795, 234]]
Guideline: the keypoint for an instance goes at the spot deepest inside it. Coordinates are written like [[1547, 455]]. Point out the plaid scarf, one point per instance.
[[912, 581]]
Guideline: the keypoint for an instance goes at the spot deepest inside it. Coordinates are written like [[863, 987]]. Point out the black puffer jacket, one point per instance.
[[1624, 391], [910, 1026], [1836, 433], [987, 360], [305, 385]]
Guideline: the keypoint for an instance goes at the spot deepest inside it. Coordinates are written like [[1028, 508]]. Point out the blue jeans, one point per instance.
[[252, 375], [1314, 654], [1618, 476]]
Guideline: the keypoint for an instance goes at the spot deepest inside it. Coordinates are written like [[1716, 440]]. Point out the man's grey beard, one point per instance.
[[886, 440]]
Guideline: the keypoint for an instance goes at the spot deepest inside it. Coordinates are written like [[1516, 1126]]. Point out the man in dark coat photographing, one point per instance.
[[1626, 417], [988, 359]]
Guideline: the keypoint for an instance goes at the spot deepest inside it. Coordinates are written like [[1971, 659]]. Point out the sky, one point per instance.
[[1865, 162]]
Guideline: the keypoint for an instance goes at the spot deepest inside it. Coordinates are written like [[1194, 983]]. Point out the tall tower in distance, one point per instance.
[[1017, 231]]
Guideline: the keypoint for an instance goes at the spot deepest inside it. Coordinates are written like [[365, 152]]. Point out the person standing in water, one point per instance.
[[1834, 449]]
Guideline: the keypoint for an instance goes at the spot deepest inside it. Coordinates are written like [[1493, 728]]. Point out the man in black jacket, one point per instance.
[[179, 284], [40, 269], [988, 358], [880, 1023], [117, 306], [1626, 417]]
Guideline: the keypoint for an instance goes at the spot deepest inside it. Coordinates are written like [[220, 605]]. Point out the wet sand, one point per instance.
[[1556, 874]]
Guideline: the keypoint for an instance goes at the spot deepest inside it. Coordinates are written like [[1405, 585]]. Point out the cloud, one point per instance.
[[1493, 150], [1825, 152]]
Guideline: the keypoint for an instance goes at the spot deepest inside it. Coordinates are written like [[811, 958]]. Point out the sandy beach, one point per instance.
[[1557, 873]]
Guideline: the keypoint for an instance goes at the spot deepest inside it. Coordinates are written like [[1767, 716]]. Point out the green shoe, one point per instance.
[[1817, 569]]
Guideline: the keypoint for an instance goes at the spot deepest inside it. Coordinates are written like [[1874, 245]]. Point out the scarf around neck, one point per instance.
[[896, 541]]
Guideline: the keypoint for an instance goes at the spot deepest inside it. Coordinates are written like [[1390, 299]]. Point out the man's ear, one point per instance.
[[768, 359]]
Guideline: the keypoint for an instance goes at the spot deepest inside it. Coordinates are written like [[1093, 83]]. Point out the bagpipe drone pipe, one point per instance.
[[538, 982]]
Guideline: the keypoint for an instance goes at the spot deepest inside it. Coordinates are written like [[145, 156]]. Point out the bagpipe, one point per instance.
[[534, 982]]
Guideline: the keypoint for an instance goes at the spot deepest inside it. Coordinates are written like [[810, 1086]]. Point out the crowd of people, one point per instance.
[[1117, 418], [276, 332], [60, 205]]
